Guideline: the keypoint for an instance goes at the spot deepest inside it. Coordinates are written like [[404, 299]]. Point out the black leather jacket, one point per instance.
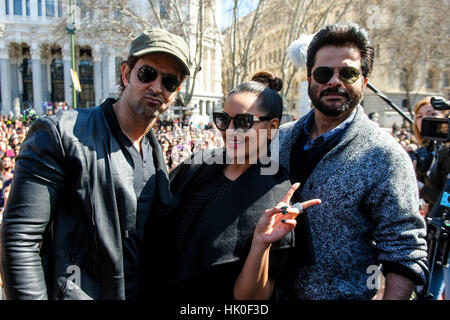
[[62, 221]]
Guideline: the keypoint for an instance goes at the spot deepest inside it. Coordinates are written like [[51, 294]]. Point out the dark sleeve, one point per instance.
[[36, 186], [278, 262]]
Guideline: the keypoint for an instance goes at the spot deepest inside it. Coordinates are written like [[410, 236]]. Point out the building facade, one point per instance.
[[273, 38], [35, 58]]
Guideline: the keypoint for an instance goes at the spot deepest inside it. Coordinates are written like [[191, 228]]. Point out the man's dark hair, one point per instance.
[[341, 35], [131, 62]]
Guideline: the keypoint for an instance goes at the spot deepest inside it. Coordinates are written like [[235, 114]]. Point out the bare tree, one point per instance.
[[414, 37], [114, 19], [250, 38], [238, 44]]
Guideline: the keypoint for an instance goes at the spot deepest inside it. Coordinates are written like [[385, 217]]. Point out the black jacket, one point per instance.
[[256, 193], [65, 206]]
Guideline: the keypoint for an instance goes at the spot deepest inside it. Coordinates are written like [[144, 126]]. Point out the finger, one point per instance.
[[290, 222], [287, 197], [273, 211], [292, 212], [310, 203]]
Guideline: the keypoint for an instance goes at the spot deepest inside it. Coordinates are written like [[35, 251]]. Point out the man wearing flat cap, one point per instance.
[[86, 183]]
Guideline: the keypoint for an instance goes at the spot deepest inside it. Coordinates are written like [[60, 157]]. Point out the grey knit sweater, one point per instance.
[[369, 212]]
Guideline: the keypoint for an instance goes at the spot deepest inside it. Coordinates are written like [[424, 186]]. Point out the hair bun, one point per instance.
[[269, 79]]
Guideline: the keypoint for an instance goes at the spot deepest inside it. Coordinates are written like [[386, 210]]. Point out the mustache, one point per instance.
[[154, 96], [335, 90]]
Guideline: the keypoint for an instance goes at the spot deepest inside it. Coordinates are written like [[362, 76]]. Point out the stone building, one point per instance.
[[35, 57], [270, 46]]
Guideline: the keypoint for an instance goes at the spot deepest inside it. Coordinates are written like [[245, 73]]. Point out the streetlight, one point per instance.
[[71, 30]]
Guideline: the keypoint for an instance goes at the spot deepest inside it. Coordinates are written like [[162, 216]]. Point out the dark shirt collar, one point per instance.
[[113, 123], [327, 137]]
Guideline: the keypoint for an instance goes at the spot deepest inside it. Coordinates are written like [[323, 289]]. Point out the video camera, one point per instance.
[[438, 223], [437, 128]]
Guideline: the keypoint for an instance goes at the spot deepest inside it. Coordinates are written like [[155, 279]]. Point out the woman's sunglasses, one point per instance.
[[148, 74], [243, 121], [348, 75]]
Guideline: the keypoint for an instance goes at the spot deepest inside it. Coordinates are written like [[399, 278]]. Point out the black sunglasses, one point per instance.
[[348, 74], [148, 74], [243, 121]]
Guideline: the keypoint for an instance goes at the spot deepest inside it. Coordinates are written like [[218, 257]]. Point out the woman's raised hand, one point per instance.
[[275, 223]]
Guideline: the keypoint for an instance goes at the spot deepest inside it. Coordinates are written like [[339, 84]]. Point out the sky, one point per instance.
[[244, 6]]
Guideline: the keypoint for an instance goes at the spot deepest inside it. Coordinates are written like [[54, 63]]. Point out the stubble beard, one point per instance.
[[353, 99]]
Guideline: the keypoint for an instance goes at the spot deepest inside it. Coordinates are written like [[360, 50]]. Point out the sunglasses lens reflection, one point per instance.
[[170, 82], [221, 121], [242, 122], [322, 74], [348, 75], [148, 74]]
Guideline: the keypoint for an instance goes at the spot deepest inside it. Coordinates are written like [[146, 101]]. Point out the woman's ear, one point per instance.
[[273, 125]]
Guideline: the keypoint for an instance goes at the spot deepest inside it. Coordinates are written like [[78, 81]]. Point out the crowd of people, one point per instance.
[[221, 220], [178, 139]]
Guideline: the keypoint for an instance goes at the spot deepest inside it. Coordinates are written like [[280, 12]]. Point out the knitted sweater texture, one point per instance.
[[369, 213]]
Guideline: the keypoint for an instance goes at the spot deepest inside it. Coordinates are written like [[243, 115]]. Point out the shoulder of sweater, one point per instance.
[[379, 142]]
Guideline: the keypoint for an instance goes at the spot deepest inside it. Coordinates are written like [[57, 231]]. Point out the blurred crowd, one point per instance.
[[178, 139]]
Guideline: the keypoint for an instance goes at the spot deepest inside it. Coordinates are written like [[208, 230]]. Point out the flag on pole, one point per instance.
[[75, 80]]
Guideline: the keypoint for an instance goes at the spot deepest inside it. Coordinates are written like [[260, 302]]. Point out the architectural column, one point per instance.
[[33, 9], [67, 61], [5, 80], [11, 8], [43, 9], [24, 8], [108, 75], [97, 57], [208, 71], [2, 9], [37, 78], [218, 68]]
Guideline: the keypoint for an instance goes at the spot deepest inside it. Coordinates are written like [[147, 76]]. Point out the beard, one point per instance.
[[353, 98]]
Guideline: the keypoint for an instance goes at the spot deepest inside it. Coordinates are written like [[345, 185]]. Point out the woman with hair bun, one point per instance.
[[231, 228]]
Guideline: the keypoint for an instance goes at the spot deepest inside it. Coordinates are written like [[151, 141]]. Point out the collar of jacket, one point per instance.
[[164, 197], [289, 132]]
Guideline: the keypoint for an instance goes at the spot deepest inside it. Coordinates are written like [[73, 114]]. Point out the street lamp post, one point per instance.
[[71, 30]]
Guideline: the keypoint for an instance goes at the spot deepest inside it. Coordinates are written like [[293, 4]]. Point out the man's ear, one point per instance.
[[125, 71]]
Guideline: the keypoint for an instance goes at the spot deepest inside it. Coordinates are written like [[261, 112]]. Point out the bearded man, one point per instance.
[[369, 216]]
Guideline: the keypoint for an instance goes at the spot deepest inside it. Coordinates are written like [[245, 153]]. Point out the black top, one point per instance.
[[134, 221], [215, 226]]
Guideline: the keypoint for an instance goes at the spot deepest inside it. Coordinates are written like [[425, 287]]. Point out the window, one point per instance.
[[50, 8], [40, 8], [445, 80], [429, 81], [118, 68], [60, 8], [18, 7], [7, 6], [27, 4], [163, 13]]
